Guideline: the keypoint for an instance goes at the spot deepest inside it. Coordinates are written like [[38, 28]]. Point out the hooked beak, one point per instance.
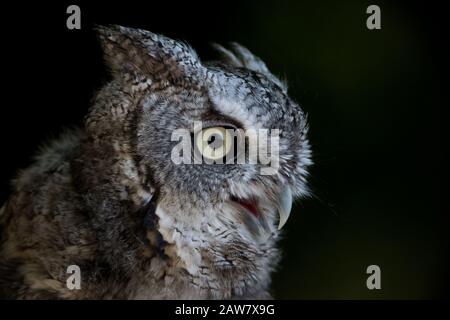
[[284, 206], [255, 219]]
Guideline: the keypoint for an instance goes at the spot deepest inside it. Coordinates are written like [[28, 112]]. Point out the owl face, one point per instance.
[[169, 90]]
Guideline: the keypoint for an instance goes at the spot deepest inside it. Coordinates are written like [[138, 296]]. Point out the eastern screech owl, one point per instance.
[[108, 198]]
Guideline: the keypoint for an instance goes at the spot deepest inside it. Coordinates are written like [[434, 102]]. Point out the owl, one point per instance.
[[109, 200]]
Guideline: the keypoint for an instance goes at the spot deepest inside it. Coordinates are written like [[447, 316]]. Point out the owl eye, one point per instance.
[[214, 143]]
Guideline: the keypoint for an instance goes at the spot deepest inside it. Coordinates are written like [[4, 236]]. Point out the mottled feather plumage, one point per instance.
[[108, 198]]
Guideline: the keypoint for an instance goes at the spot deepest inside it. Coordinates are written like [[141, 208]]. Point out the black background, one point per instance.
[[375, 101]]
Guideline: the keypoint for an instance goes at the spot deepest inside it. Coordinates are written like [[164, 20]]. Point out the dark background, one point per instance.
[[375, 101]]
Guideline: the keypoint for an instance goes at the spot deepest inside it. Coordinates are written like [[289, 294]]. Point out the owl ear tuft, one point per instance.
[[136, 51], [240, 57]]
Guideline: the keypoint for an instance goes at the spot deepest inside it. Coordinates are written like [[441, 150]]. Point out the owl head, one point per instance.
[[159, 87]]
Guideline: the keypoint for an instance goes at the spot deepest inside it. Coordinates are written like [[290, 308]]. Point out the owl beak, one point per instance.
[[284, 206]]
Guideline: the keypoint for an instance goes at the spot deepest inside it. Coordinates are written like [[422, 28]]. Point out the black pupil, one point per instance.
[[215, 141]]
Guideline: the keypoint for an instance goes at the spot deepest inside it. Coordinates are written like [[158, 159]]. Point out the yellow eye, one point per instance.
[[214, 143]]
